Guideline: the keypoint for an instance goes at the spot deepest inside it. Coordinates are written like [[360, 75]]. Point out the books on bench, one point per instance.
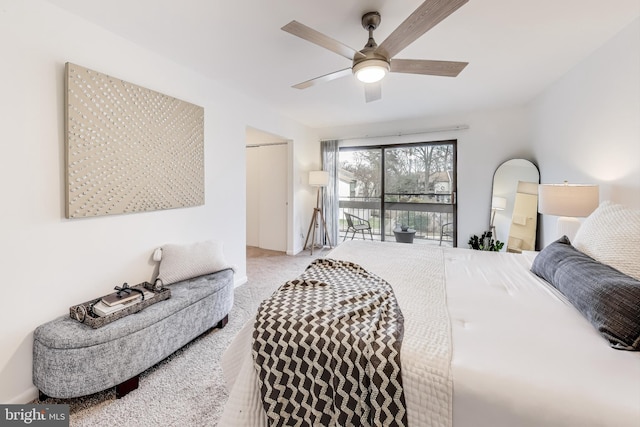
[[104, 308], [122, 297]]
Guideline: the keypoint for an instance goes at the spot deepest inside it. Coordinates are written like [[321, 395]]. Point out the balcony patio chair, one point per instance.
[[356, 224], [446, 230]]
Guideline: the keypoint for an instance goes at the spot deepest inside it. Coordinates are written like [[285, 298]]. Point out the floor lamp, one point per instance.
[[497, 204], [317, 179]]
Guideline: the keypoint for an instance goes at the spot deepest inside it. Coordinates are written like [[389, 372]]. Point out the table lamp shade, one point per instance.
[[319, 178], [569, 200]]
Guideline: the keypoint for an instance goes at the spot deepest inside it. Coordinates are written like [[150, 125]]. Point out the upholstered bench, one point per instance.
[[71, 359]]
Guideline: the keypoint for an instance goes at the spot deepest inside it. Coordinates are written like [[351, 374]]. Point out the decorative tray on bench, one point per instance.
[[84, 312]]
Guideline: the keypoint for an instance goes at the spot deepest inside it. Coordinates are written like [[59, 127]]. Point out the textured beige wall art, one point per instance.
[[129, 149]]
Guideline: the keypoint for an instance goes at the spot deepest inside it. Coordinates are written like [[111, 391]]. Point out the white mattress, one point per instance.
[[521, 355]]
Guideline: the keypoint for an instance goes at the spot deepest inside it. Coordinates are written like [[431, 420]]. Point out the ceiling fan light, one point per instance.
[[371, 71], [371, 74]]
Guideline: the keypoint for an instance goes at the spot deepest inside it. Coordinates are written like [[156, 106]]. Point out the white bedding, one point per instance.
[[425, 362], [521, 355]]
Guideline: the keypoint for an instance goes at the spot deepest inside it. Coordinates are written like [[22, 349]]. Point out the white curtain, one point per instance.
[[329, 150]]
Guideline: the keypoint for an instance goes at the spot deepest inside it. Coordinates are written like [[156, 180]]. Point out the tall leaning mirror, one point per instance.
[[514, 205]]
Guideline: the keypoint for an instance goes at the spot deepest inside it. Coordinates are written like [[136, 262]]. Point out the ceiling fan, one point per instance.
[[373, 62]]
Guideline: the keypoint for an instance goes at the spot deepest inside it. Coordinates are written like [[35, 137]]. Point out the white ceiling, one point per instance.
[[515, 48]]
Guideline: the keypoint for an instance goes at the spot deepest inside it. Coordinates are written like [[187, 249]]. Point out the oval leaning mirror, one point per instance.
[[514, 205]]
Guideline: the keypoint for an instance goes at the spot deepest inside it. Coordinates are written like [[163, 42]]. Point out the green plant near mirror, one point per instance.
[[485, 242]]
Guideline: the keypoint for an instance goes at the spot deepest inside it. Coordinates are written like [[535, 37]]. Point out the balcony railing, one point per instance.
[[426, 217]]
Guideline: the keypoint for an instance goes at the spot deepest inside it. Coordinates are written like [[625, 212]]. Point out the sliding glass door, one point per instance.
[[410, 184], [360, 186]]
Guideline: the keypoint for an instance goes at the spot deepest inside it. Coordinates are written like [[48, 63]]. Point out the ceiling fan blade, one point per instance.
[[424, 66], [323, 79], [316, 37], [425, 17], [372, 91]]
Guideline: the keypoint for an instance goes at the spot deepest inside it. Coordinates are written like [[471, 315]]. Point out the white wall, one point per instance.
[[306, 158], [49, 263], [586, 127], [492, 137]]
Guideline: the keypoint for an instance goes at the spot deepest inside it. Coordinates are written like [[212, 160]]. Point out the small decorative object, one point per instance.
[[123, 295], [404, 227], [485, 242]]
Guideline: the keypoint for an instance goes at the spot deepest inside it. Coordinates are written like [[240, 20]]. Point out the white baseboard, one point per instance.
[[301, 249], [27, 396], [295, 252], [240, 281]]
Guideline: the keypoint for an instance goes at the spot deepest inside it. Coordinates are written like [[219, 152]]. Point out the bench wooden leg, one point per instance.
[[221, 324], [125, 387], [42, 396]]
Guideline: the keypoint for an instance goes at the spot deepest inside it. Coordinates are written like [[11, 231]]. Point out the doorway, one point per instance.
[[267, 194]]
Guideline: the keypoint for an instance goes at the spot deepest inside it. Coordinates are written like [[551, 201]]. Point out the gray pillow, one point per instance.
[[609, 299]]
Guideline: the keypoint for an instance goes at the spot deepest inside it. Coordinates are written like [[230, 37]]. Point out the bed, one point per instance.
[[489, 343]]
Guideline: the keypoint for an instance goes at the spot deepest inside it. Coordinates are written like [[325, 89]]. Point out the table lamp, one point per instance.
[[569, 202]]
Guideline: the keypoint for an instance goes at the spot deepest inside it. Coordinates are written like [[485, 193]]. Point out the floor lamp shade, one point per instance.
[[498, 203], [569, 202], [318, 178]]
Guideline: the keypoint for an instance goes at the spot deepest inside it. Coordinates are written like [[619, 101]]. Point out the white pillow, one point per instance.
[[181, 262], [611, 235]]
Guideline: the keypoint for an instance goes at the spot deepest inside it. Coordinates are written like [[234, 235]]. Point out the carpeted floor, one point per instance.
[[187, 389]]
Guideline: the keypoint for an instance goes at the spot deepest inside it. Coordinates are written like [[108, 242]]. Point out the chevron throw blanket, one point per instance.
[[327, 350]]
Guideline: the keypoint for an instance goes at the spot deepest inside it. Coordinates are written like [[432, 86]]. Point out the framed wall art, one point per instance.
[[129, 149]]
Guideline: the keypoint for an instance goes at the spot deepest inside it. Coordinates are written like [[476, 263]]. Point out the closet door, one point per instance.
[[253, 196], [267, 197], [273, 197]]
